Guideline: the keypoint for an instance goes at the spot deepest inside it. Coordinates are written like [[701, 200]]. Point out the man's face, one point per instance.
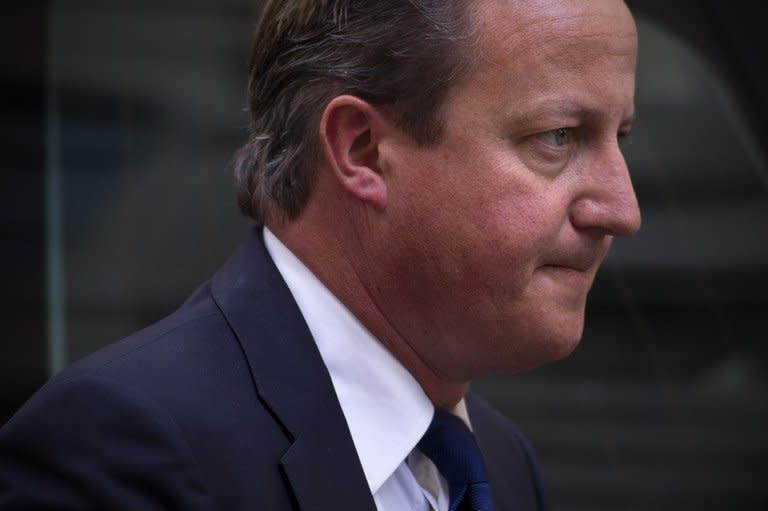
[[494, 234]]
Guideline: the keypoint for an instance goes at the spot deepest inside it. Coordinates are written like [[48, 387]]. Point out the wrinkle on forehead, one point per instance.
[[530, 27]]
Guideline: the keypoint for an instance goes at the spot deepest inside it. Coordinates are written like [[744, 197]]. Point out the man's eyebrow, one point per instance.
[[568, 108]]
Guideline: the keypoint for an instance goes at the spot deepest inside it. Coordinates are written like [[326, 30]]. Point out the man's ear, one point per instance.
[[350, 134]]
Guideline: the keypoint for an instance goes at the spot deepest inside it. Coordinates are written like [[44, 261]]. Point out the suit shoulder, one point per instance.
[[54, 450], [190, 364], [194, 325]]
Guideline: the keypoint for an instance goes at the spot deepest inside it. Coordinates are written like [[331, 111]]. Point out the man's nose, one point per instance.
[[607, 201]]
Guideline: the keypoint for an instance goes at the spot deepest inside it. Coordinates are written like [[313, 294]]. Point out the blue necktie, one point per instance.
[[452, 448]]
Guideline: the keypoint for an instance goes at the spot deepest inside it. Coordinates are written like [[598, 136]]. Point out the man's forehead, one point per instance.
[[566, 66], [511, 24]]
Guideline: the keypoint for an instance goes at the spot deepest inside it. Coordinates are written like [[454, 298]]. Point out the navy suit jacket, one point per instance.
[[223, 405]]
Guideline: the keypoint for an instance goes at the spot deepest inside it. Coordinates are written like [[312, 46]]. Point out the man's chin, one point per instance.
[[522, 362], [546, 348]]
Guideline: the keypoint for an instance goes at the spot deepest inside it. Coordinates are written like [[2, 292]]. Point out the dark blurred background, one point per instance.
[[119, 122]]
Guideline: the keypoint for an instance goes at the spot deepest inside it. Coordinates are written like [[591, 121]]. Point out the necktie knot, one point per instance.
[[453, 449]]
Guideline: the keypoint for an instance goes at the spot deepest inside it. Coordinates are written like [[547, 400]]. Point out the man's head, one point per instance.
[[474, 253], [494, 234], [400, 54]]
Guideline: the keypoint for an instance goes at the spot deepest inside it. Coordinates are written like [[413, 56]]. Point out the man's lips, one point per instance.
[[573, 266], [567, 273], [579, 260], [565, 267], [578, 266]]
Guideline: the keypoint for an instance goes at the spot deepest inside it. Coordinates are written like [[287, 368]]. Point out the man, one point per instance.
[[439, 182]]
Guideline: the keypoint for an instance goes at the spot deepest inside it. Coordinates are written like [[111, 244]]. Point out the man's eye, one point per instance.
[[557, 138]]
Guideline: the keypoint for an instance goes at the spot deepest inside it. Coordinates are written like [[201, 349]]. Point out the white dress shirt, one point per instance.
[[385, 408]]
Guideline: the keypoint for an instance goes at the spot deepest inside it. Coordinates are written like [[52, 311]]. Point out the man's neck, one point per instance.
[[328, 259]]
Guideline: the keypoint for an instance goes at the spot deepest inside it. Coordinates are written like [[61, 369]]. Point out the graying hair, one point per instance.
[[400, 53]]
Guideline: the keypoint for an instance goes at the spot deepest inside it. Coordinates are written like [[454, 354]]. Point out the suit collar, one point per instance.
[[290, 377]]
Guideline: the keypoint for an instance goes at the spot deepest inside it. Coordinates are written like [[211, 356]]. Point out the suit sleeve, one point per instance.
[[90, 444]]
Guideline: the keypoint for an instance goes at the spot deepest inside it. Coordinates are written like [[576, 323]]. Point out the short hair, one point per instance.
[[404, 54]]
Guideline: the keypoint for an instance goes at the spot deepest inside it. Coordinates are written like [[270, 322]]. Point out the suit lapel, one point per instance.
[[312, 466], [321, 465]]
